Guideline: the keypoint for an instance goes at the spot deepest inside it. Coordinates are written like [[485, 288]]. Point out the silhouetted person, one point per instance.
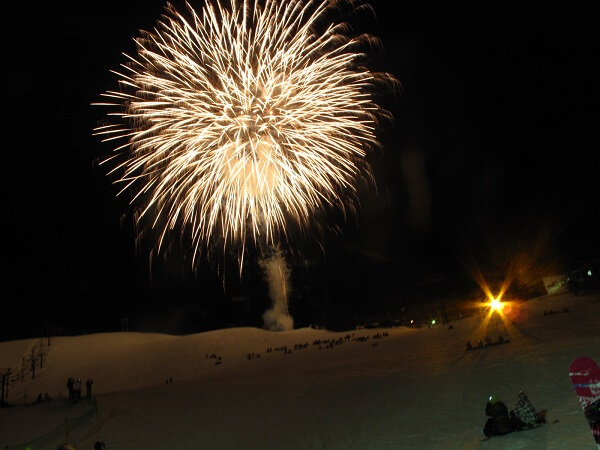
[[88, 388], [70, 383], [77, 389], [499, 421]]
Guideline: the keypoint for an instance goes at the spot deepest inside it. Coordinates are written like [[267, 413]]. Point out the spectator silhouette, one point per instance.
[[77, 389], [70, 386]]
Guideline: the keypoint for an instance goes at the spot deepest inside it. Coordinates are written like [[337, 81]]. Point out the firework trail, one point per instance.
[[241, 120]]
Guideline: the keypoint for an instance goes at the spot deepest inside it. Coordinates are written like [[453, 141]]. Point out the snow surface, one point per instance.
[[398, 388]]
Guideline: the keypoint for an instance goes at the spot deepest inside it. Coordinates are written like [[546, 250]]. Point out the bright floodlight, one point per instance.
[[496, 304]]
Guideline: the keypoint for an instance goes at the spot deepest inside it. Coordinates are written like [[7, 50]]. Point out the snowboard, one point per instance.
[[585, 376]]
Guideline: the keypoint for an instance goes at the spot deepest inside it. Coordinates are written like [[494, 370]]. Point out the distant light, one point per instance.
[[589, 272], [412, 321], [496, 304], [433, 322]]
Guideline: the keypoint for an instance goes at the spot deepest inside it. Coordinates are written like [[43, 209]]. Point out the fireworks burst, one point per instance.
[[239, 120]]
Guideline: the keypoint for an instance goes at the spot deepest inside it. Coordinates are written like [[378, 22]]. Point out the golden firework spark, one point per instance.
[[240, 119]]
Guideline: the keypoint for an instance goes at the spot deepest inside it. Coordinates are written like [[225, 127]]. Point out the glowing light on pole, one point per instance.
[[235, 122]]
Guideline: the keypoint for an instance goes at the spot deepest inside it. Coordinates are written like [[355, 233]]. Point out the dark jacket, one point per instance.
[[499, 422]]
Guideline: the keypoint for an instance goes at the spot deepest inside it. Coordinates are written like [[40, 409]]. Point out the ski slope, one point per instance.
[[396, 388]]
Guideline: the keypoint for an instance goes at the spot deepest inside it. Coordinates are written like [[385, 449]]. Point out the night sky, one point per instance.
[[493, 155]]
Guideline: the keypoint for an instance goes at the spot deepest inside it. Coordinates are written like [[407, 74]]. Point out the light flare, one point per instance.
[[497, 312], [496, 304]]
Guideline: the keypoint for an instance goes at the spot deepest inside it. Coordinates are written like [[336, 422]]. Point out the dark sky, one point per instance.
[[493, 153]]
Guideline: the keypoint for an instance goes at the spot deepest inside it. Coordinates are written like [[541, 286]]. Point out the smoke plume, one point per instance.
[[277, 273]]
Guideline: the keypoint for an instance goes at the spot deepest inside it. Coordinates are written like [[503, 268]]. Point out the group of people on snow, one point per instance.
[[488, 343], [74, 387], [551, 312], [500, 421], [44, 398]]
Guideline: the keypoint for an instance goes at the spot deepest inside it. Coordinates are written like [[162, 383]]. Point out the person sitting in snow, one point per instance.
[[499, 422], [524, 415]]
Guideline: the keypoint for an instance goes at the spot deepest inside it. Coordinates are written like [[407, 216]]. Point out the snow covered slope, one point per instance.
[[396, 388]]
